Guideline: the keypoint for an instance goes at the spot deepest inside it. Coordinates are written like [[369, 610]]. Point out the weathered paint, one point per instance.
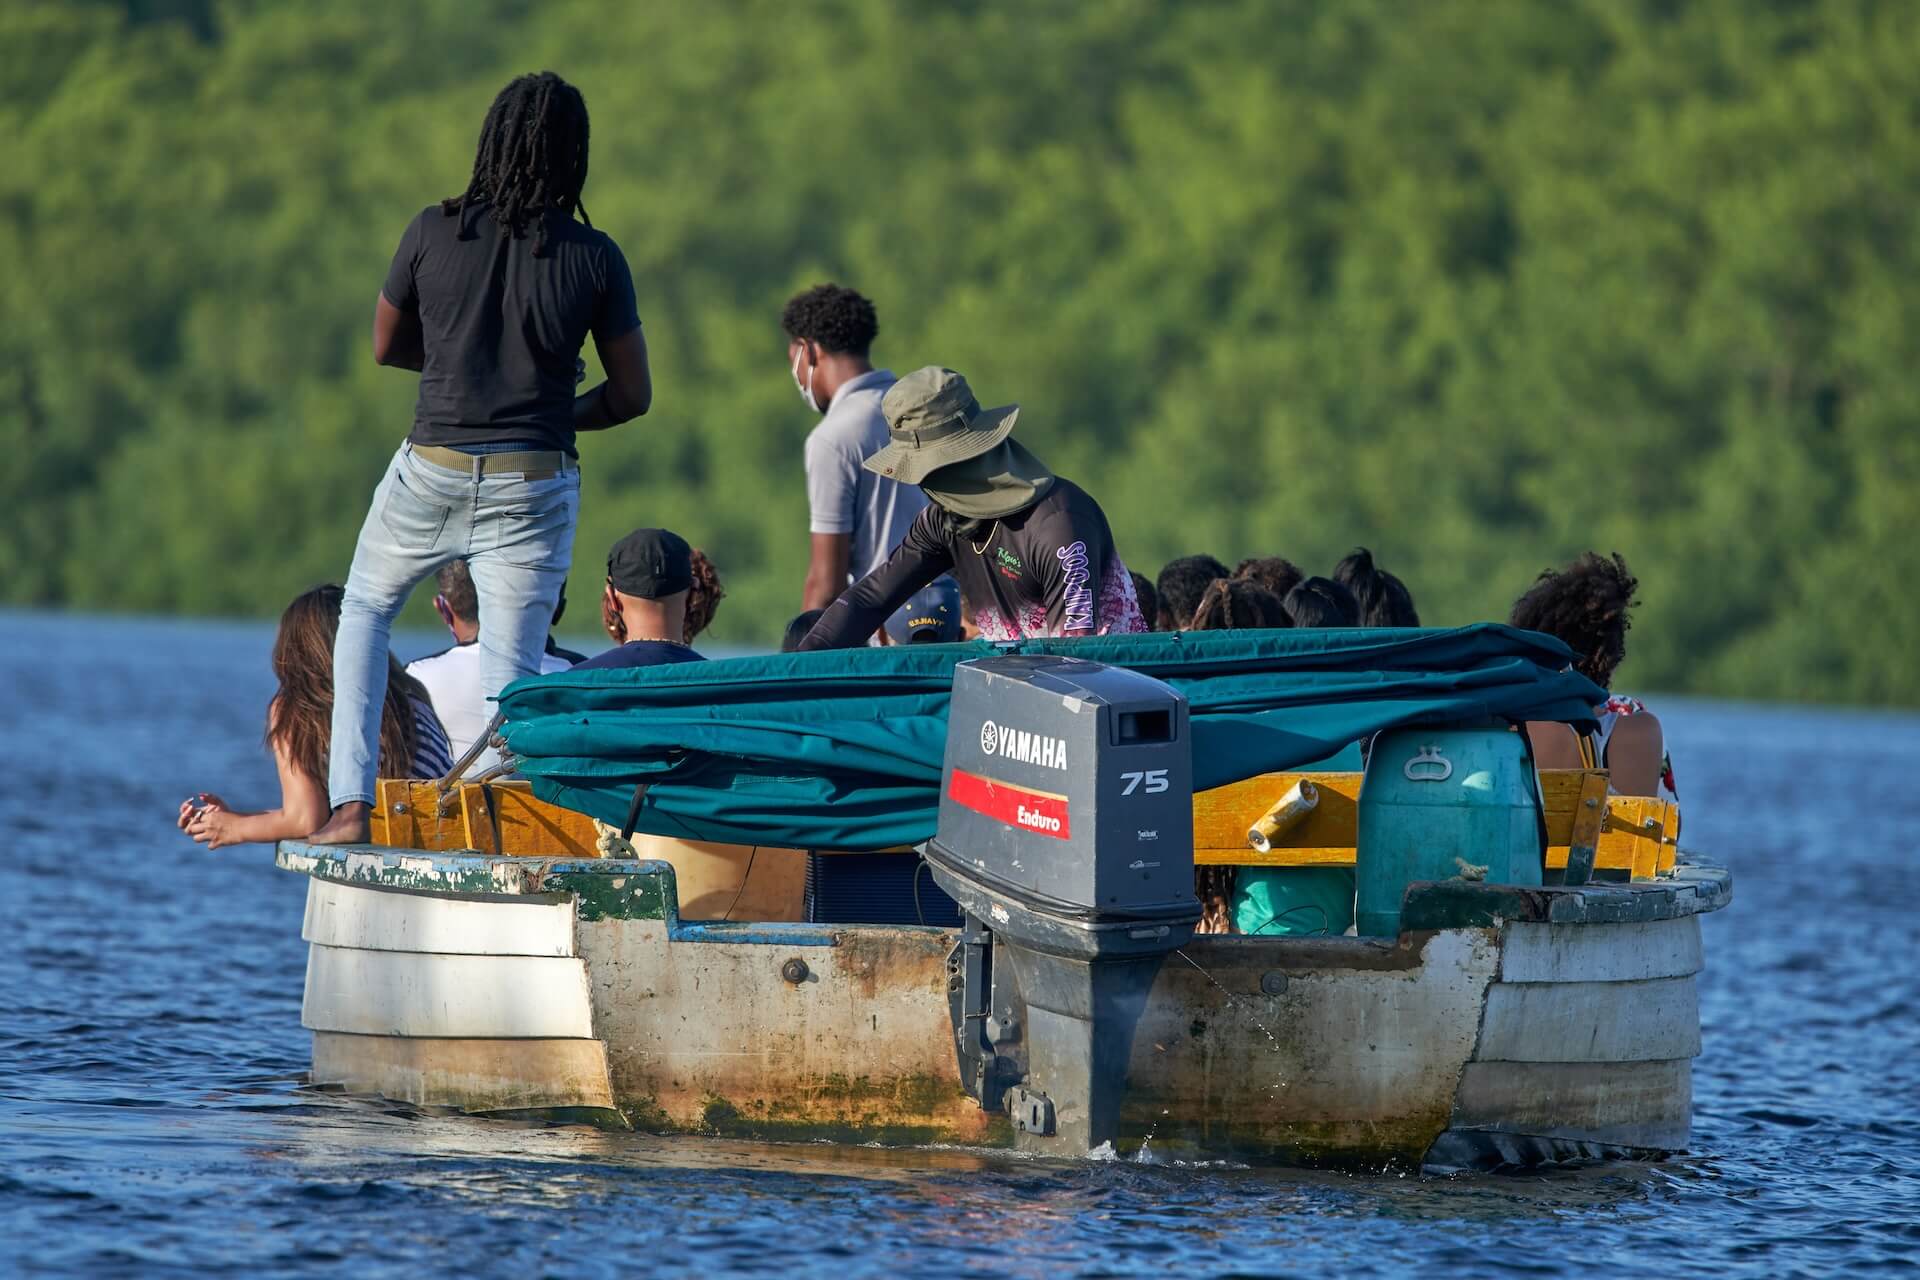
[[1318, 1051], [1585, 1046], [481, 1075], [401, 993], [1643, 1106], [1326, 1051], [1656, 1018], [1463, 904], [347, 915], [1534, 952], [708, 1034]]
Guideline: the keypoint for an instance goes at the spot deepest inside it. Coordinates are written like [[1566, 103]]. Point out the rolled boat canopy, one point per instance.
[[841, 749]]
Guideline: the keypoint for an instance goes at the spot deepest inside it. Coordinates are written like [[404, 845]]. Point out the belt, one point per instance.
[[533, 464]]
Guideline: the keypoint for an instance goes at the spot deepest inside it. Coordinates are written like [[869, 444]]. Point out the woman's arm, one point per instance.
[[303, 810]]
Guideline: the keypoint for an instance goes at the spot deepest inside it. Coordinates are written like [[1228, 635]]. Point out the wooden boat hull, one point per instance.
[[1502, 1027]]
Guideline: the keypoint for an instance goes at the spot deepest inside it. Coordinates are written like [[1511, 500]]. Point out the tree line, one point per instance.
[[1477, 283]]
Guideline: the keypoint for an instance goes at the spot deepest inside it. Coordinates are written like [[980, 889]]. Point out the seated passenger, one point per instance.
[[1322, 602], [1149, 599], [797, 630], [703, 597], [1228, 604], [931, 616], [1276, 573], [644, 608], [1232, 603], [1586, 605], [1032, 551], [452, 676], [299, 732], [1383, 599], [1179, 587]]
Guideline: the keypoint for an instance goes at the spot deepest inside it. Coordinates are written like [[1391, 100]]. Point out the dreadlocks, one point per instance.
[[532, 157]]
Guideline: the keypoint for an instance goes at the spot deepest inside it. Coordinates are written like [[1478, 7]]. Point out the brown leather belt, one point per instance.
[[531, 464]]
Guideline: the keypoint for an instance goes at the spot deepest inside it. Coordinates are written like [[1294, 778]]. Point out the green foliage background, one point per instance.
[[1479, 283]]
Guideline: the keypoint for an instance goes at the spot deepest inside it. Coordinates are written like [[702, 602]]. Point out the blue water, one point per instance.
[[153, 1122]]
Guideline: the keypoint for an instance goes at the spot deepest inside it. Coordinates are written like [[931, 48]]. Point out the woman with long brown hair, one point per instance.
[[299, 725]]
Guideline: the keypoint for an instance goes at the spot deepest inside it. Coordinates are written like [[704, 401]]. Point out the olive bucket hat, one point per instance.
[[934, 421]]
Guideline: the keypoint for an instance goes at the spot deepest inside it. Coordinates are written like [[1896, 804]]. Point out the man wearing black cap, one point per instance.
[[1032, 551], [644, 607]]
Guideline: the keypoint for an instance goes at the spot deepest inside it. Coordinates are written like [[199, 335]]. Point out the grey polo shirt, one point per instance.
[[844, 496]]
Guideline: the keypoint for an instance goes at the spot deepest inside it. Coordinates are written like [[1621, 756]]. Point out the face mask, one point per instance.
[[806, 388]]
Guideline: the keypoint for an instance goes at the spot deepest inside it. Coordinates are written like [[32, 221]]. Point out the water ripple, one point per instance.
[[152, 1120]]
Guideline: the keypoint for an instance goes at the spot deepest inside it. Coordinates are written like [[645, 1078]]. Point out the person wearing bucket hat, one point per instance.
[[1032, 551]]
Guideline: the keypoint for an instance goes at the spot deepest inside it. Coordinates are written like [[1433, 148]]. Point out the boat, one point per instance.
[[498, 953]]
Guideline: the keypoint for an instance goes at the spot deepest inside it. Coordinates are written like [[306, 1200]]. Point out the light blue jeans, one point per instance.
[[516, 536]]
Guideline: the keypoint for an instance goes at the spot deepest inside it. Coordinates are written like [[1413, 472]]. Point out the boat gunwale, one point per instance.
[[646, 888]]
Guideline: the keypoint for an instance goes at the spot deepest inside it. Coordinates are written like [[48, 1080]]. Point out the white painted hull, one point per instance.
[[1510, 1041]]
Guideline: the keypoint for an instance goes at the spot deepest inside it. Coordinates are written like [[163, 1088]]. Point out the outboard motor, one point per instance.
[[1066, 836]]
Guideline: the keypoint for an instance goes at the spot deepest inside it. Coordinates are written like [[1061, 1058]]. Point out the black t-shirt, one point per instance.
[[640, 653], [1046, 570], [502, 328]]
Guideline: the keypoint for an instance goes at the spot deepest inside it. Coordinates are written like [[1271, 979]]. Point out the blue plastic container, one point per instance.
[[1433, 795]]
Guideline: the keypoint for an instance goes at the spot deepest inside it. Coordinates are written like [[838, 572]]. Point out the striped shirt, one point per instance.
[[432, 756]]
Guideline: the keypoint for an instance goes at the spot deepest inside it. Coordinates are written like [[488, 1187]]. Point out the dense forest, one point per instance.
[[1477, 283]]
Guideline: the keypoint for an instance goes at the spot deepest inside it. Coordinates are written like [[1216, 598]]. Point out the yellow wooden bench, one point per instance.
[[494, 817], [1636, 834]]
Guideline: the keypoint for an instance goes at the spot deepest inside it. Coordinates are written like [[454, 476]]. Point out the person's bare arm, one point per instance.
[[628, 391], [397, 341], [1635, 752], [826, 570], [303, 810], [1555, 745]]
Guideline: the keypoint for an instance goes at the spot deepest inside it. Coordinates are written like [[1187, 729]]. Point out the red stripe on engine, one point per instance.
[[1035, 811]]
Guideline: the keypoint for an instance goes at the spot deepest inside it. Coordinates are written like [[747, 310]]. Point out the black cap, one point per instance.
[[650, 564]]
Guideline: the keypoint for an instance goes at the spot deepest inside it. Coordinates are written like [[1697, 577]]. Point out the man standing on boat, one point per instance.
[[491, 296], [1032, 551], [855, 517]]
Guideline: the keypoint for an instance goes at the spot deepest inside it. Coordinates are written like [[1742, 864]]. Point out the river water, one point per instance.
[[153, 1120]]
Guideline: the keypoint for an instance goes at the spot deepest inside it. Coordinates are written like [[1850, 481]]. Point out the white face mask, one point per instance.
[[806, 388]]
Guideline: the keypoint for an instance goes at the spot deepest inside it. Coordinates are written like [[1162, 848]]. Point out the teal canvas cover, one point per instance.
[[841, 749]]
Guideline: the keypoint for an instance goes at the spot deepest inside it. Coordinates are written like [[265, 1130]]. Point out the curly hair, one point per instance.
[[1276, 573], [1232, 603], [1586, 605], [1180, 586], [840, 320], [703, 597], [1322, 602], [1383, 599]]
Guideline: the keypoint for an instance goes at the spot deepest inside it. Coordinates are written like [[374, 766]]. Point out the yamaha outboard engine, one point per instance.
[[1066, 835]]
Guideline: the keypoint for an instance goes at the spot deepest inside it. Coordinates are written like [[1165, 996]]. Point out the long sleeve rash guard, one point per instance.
[[1047, 570]]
